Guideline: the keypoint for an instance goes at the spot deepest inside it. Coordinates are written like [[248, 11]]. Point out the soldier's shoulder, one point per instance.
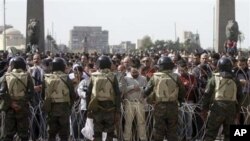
[[127, 78], [96, 73], [48, 75], [143, 77], [216, 74], [2, 78], [158, 74]]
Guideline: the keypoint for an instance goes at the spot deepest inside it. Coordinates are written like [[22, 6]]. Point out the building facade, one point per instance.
[[191, 37], [89, 39], [14, 38], [123, 47]]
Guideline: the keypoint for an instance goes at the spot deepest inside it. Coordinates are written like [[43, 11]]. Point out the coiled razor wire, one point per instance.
[[148, 119], [185, 110], [38, 118], [77, 121], [2, 124], [245, 108]]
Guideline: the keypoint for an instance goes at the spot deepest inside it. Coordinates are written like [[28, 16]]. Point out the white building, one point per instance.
[[89, 39], [191, 37], [139, 44], [123, 47], [14, 38]]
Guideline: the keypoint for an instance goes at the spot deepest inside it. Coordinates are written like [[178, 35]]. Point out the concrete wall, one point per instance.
[[35, 9], [225, 11]]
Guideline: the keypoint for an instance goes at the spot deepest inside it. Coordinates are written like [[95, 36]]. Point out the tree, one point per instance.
[[146, 42], [241, 37]]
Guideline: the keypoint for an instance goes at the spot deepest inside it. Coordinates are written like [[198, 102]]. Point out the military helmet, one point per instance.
[[165, 63], [104, 62], [58, 64], [225, 65], [17, 63]]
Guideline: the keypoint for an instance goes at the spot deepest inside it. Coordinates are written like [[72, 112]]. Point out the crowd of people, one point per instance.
[[146, 96]]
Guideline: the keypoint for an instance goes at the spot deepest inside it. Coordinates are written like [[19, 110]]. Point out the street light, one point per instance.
[[4, 33]]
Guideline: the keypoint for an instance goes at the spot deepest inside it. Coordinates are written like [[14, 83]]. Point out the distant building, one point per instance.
[[6, 27], [139, 44], [89, 39], [191, 37], [116, 49], [14, 38], [123, 47]]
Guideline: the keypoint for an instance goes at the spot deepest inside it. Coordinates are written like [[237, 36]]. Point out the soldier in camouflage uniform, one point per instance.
[[164, 90], [104, 99], [59, 96], [222, 94], [17, 89]]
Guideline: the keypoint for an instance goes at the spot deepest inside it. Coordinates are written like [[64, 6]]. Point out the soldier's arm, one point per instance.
[[43, 89], [181, 94], [240, 96], [89, 91], [149, 87], [73, 96], [209, 92], [30, 89], [117, 95], [4, 93]]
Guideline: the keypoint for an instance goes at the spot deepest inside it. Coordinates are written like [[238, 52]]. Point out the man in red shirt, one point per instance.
[[231, 47], [190, 85], [146, 69]]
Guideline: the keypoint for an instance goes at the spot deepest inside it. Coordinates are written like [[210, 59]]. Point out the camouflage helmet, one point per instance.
[[58, 64], [104, 62], [225, 65], [165, 63], [17, 63]]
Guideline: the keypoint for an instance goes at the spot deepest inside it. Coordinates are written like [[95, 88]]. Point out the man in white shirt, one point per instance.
[[37, 74], [134, 106]]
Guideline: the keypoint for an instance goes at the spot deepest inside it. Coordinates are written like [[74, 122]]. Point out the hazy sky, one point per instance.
[[129, 19]]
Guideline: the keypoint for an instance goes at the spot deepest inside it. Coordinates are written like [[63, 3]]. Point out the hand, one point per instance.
[[137, 88], [38, 88], [237, 118], [185, 83], [117, 117], [204, 114], [15, 106]]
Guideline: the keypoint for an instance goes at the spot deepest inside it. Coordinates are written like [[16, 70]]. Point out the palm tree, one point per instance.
[[241, 37]]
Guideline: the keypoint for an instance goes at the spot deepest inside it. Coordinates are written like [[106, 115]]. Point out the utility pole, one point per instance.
[[213, 28], [4, 33], [175, 36]]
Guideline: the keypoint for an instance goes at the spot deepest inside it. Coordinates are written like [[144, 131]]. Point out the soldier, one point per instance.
[[17, 90], [222, 94], [59, 96], [104, 99], [166, 90]]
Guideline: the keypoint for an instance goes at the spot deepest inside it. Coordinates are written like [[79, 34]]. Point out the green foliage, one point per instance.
[[168, 44], [146, 42]]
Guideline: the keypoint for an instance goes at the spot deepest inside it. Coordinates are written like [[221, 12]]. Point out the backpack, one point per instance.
[[166, 89], [56, 88], [17, 83], [225, 89], [103, 88]]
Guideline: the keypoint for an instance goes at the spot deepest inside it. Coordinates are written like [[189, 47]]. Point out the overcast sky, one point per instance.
[[129, 20]]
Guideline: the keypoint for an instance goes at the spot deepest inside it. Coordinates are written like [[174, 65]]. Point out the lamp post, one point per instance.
[[4, 33]]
